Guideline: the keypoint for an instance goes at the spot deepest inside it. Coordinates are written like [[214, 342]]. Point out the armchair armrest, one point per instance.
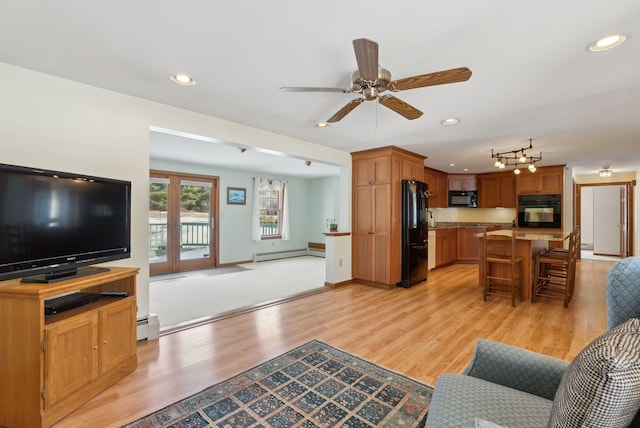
[[516, 368]]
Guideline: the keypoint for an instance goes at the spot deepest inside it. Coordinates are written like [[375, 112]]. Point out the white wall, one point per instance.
[[325, 205], [55, 123]]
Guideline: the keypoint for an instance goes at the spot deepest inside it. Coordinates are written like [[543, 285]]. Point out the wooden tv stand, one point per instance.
[[50, 365]]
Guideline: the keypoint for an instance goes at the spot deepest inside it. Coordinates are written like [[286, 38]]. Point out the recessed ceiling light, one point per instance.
[[450, 121], [607, 42], [452, 164], [183, 79], [321, 125]]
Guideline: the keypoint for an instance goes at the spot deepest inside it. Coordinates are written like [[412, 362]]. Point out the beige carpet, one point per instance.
[[192, 297]]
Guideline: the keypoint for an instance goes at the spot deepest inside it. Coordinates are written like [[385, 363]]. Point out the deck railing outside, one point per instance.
[[193, 234]]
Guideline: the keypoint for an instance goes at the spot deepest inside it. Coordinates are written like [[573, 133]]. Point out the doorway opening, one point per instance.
[[183, 212], [602, 212]]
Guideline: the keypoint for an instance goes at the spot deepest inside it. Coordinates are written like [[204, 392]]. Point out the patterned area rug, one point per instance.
[[314, 385]]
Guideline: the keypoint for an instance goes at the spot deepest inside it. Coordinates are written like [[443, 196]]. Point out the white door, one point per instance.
[[607, 220]]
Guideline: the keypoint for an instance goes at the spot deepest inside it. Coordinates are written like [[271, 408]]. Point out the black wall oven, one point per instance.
[[540, 211]]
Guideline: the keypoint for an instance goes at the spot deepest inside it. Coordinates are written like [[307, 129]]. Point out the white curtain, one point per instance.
[[262, 183], [255, 210], [284, 230]]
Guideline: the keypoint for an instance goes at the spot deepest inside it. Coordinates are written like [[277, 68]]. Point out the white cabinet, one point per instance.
[[431, 256]]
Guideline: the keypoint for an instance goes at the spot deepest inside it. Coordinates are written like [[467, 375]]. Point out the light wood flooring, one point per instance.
[[422, 332]]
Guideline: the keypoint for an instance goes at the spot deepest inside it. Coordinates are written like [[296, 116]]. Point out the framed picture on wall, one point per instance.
[[236, 196]]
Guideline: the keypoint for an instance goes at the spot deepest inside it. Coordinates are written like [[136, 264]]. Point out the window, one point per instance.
[[270, 203], [270, 217]]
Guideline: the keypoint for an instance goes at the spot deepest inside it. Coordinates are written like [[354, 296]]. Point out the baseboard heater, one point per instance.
[[316, 249], [148, 328], [315, 252], [275, 255]]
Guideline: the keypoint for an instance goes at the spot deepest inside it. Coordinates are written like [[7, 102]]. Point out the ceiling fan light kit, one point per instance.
[[371, 80]]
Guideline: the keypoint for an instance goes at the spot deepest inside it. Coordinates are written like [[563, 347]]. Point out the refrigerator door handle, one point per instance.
[[418, 247]]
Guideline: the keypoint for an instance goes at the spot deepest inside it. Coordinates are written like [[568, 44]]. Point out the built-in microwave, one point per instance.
[[540, 211], [463, 198]]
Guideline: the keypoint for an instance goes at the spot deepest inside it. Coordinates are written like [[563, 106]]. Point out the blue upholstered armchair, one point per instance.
[[513, 387], [623, 291]]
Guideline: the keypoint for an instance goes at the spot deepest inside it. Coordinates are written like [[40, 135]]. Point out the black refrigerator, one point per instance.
[[414, 232]]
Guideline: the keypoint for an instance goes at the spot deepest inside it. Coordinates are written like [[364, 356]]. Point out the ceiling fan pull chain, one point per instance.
[[377, 117]]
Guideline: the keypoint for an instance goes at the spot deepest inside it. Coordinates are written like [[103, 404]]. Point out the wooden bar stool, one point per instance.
[[555, 271], [503, 269]]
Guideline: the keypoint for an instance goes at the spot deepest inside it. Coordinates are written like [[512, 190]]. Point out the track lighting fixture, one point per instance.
[[515, 157]]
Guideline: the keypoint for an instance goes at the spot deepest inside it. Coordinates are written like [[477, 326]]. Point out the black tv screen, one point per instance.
[[52, 222]]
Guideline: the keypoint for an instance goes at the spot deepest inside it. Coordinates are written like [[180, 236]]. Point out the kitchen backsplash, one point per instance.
[[474, 215]]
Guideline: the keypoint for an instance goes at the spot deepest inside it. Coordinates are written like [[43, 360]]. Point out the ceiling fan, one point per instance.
[[371, 81]]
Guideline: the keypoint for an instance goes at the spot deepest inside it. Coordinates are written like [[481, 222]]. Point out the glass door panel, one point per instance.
[[158, 225], [195, 221]]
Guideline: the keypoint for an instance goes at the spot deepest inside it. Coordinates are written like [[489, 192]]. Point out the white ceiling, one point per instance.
[[532, 75]]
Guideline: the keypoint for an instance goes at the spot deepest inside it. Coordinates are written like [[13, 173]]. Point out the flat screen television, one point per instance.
[[54, 224]]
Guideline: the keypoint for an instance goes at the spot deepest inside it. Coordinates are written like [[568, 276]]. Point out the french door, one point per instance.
[[182, 217]]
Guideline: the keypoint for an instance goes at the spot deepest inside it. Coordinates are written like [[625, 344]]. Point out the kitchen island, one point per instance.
[[529, 243]]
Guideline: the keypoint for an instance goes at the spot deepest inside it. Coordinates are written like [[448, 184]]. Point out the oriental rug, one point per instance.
[[314, 385]]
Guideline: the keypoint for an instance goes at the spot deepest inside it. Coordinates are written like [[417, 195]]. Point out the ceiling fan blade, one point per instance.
[[367, 58], [400, 107], [313, 89], [345, 110], [431, 79]]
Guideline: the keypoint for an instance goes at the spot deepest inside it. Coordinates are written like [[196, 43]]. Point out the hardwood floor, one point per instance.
[[422, 332]]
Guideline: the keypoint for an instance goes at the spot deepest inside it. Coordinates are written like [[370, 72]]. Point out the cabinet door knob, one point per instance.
[[104, 342]]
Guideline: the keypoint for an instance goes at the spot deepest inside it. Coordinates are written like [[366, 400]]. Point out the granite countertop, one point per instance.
[[528, 235], [462, 225]]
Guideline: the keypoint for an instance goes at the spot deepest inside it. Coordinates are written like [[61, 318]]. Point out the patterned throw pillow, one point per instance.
[[601, 387]]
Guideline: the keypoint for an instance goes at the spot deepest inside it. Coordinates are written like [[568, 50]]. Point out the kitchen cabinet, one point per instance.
[[58, 362], [412, 169], [371, 232], [546, 179], [462, 182], [446, 246], [377, 212], [468, 246], [438, 187], [497, 190], [372, 170]]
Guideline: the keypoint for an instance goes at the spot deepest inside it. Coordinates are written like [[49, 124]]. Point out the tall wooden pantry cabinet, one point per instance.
[[377, 211]]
